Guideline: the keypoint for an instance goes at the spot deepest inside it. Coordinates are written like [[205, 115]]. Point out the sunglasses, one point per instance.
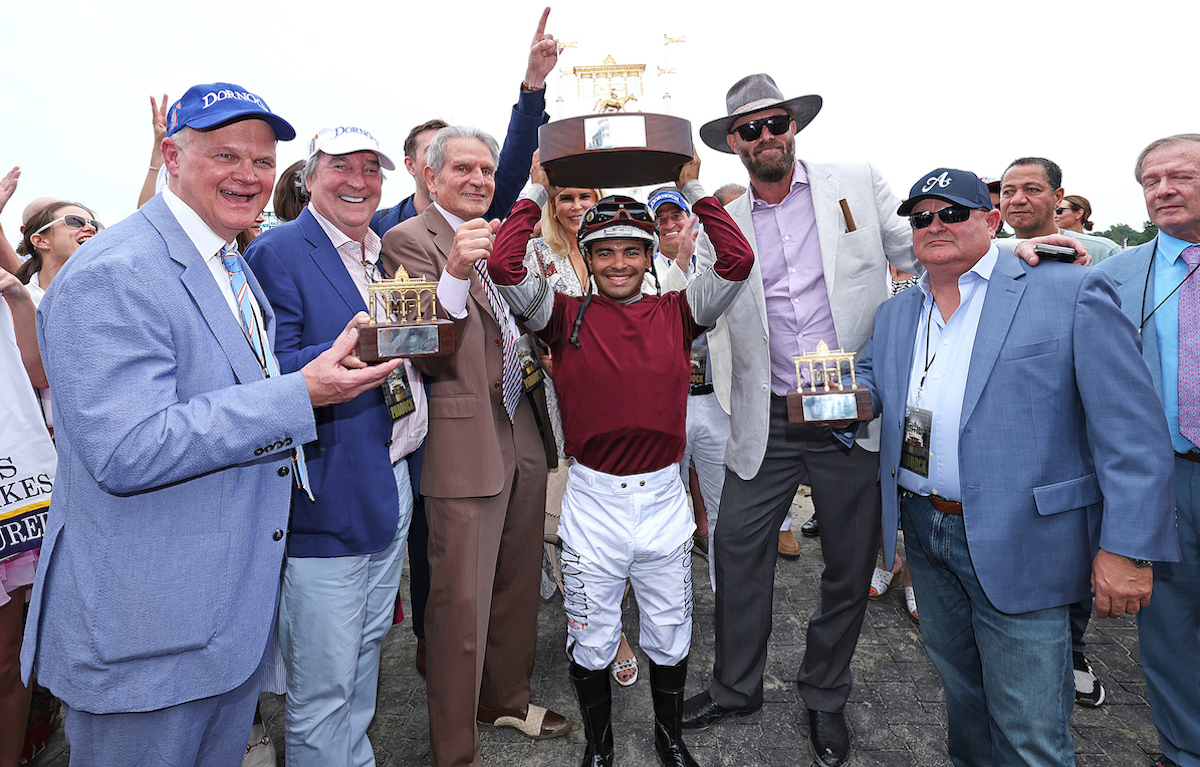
[[607, 211], [955, 214], [1060, 211], [73, 222], [777, 124]]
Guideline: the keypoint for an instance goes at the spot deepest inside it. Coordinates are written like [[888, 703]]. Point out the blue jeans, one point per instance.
[[1008, 682], [333, 615]]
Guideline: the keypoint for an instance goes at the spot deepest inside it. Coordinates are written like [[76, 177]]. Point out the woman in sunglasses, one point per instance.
[[52, 236]]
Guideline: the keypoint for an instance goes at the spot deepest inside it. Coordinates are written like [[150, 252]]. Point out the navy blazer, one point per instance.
[[1062, 446], [357, 507], [512, 170], [160, 566]]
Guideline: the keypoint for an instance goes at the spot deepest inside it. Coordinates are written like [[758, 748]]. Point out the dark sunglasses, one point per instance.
[[1059, 211], [777, 124], [73, 222], [955, 214], [607, 211]]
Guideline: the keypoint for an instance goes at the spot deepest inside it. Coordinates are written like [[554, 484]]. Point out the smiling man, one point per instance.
[[1015, 440], [625, 514], [823, 235], [179, 442], [484, 482], [346, 548]]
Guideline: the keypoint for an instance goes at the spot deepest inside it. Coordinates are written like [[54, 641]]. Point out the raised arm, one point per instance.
[[528, 293], [9, 261], [158, 120]]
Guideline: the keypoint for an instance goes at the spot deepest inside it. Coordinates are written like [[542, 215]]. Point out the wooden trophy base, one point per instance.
[[615, 149], [824, 407], [388, 340]]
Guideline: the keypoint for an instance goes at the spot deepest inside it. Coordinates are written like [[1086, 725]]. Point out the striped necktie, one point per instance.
[[1189, 350], [511, 359], [258, 342]]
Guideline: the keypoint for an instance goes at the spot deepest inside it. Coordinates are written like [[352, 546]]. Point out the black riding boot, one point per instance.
[[666, 687], [595, 708]]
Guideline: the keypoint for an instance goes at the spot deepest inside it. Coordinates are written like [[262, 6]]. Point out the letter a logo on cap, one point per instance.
[[942, 180]]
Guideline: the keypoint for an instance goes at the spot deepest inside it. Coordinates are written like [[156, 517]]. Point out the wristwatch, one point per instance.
[[1140, 562]]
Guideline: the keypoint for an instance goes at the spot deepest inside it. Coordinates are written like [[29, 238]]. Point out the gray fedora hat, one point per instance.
[[754, 94]]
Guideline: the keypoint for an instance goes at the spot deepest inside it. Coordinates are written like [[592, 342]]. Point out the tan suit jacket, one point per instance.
[[484, 483], [466, 415]]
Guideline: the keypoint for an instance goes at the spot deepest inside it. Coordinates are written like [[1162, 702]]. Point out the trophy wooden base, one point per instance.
[[822, 407], [615, 149], [387, 340]]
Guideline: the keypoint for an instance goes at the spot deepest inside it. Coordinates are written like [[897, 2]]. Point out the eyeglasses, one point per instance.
[[73, 222], [1065, 208], [777, 124], [954, 214]]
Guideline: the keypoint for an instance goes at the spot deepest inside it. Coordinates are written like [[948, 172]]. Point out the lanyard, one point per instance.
[[928, 360], [1146, 288]]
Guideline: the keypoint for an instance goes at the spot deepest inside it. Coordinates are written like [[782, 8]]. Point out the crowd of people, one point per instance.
[[208, 494]]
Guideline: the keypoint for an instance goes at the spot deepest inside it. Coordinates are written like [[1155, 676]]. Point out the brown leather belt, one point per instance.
[[945, 506], [1193, 457]]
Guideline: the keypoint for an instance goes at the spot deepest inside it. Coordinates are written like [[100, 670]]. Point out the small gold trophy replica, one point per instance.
[[398, 325], [826, 397]]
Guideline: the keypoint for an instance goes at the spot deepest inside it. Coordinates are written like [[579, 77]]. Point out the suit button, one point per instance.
[[893, 472], [268, 448], [283, 471], [258, 452], [388, 443], [278, 444], [287, 442], [278, 535], [499, 342], [766, 387], [498, 384]]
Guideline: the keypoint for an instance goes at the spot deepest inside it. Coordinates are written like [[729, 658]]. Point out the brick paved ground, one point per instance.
[[896, 711]]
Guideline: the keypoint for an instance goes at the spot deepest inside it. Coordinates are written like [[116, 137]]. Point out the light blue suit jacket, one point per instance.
[[1062, 446], [160, 565]]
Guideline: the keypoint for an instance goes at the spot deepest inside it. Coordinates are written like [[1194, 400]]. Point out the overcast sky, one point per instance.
[[908, 87]]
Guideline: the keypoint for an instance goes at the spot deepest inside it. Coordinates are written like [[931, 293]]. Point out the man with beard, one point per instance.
[[823, 236]]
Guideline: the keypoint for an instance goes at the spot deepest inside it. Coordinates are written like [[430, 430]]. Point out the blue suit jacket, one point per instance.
[[160, 566], [1062, 447], [356, 508], [1130, 269], [512, 170]]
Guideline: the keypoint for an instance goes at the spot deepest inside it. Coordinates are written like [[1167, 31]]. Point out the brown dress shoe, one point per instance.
[[787, 545], [536, 722]]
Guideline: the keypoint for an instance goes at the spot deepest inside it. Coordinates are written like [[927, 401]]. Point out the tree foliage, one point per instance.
[[1128, 236]]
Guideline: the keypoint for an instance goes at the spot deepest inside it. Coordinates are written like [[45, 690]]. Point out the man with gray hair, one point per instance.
[[484, 482], [1160, 293]]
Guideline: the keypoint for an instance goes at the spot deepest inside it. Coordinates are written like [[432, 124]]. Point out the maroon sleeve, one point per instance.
[[506, 264], [734, 255]]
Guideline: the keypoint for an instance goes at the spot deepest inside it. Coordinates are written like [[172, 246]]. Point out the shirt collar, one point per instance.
[[370, 244], [799, 177], [982, 270], [1171, 247], [451, 219], [206, 241]]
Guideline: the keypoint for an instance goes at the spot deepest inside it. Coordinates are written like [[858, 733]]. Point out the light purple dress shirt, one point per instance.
[[789, 256]]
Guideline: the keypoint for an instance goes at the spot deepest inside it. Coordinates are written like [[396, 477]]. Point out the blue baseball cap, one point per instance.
[[668, 195], [214, 104], [957, 186]]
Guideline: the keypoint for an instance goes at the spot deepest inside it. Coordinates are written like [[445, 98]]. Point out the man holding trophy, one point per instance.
[[625, 513]]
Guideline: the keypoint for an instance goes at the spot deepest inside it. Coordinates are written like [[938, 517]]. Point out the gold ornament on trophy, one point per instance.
[[401, 323], [826, 397]]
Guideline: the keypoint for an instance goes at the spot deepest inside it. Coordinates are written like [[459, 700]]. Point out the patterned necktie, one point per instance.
[[1189, 350], [258, 342], [512, 362]]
